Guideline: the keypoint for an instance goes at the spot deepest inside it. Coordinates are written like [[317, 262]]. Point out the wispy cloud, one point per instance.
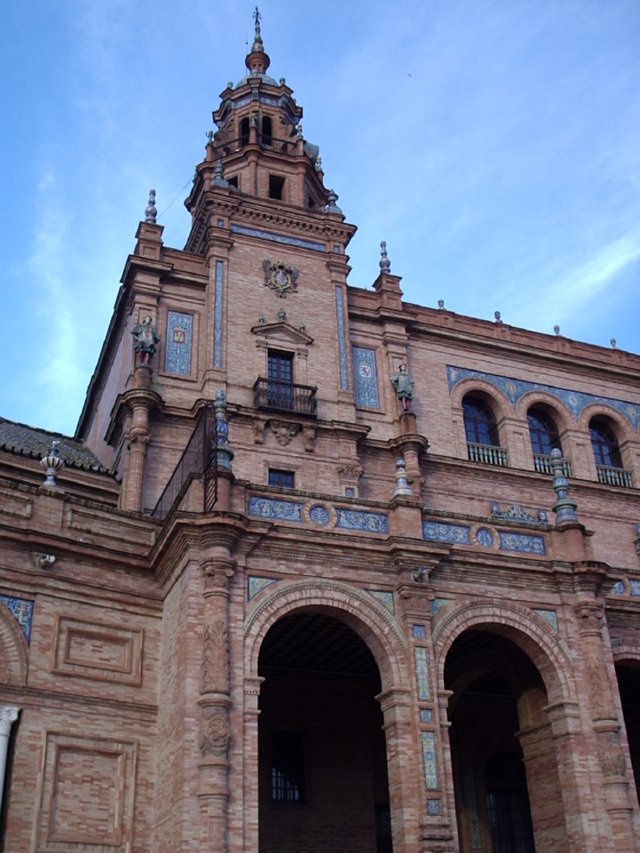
[[56, 376]]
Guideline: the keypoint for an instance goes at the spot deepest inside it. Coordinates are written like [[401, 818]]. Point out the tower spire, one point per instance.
[[257, 61]]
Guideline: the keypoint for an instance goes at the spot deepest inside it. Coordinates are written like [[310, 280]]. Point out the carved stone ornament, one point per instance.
[[610, 755], [214, 669], [283, 431], [213, 733], [279, 277]]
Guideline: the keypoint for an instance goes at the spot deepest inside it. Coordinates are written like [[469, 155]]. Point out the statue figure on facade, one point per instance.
[[403, 386], [145, 339]]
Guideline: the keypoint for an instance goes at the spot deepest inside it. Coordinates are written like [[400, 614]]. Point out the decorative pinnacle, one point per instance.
[[151, 211], [385, 263], [556, 329], [257, 61], [257, 40], [564, 507]]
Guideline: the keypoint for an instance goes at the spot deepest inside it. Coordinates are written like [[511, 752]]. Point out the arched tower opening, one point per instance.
[[323, 781]]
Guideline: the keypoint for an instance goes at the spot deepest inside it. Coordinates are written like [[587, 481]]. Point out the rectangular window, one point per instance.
[[276, 186], [287, 767], [281, 479]]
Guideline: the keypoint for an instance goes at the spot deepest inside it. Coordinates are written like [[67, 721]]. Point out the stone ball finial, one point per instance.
[[151, 211]]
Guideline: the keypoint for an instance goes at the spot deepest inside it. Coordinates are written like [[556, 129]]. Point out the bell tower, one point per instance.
[[258, 149]]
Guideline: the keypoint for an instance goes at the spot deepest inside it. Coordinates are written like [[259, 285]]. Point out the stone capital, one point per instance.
[[8, 715]]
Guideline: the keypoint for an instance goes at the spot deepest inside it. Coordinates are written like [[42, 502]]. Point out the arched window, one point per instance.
[[481, 431], [267, 131], [479, 422], [244, 132], [544, 438], [606, 452]]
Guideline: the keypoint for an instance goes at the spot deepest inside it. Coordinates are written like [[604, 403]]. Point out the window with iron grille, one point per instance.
[[281, 479]]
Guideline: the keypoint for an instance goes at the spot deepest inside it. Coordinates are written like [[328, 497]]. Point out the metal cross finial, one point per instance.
[[257, 17]]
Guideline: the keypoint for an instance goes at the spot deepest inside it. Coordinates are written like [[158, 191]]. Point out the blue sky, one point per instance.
[[494, 144]]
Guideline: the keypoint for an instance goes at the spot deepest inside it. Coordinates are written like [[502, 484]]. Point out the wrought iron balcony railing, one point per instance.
[[542, 463], [285, 397], [614, 476], [488, 454]]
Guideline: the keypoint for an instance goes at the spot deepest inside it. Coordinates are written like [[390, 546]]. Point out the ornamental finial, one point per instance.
[[564, 507], [257, 61], [385, 263], [257, 40], [51, 463], [151, 211]]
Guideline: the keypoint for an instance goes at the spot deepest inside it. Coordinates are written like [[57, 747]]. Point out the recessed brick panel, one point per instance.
[[100, 652], [87, 795]]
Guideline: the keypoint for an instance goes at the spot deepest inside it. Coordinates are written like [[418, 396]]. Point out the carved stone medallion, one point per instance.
[[280, 277]]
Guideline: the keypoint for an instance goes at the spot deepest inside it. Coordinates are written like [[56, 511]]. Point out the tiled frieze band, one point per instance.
[[278, 238], [514, 389], [342, 340]]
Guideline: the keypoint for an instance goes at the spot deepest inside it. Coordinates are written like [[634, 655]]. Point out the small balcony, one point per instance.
[[542, 464], [610, 476], [487, 454], [285, 397]]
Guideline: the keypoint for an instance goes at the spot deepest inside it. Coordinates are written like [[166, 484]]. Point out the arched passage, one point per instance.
[[384, 641], [509, 674], [628, 675], [322, 755]]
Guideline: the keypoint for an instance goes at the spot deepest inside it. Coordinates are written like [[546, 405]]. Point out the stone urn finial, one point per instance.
[[52, 462]]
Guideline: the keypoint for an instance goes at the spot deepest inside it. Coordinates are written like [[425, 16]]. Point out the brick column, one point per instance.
[[402, 769], [8, 715], [606, 725], [214, 732], [140, 399]]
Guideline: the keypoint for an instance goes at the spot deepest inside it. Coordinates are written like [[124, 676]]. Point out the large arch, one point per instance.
[[533, 634], [359, 610], [377, 627]]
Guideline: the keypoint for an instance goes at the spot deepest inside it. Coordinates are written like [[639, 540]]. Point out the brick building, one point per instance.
[[321, 570]]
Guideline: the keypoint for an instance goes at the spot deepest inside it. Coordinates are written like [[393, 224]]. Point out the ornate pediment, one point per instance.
[[283, 332]]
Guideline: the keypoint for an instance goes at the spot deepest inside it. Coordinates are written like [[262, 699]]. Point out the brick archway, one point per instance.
[[359, 610], [383, 636], [529, 631], [13, 650]]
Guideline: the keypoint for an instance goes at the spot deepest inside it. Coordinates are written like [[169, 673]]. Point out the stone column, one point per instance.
[[250, 758], [606, 725], [214, 733], [8, 715]]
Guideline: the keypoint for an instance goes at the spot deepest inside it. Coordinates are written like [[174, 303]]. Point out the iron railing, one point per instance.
[[487, 454], [610, 476], [285, 397], [542, 463], [198, 461]]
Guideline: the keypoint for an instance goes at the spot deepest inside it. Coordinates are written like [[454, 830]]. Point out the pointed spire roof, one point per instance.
[[257, 61]]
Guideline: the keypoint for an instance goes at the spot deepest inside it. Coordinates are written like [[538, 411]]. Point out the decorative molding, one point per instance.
[[284, 431], [514, 389], [280, 278], [98, 652], [517, 513]]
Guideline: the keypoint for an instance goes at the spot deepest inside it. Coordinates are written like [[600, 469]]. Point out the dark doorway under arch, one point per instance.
[[507, 790], [322, 754], [628, 673]]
